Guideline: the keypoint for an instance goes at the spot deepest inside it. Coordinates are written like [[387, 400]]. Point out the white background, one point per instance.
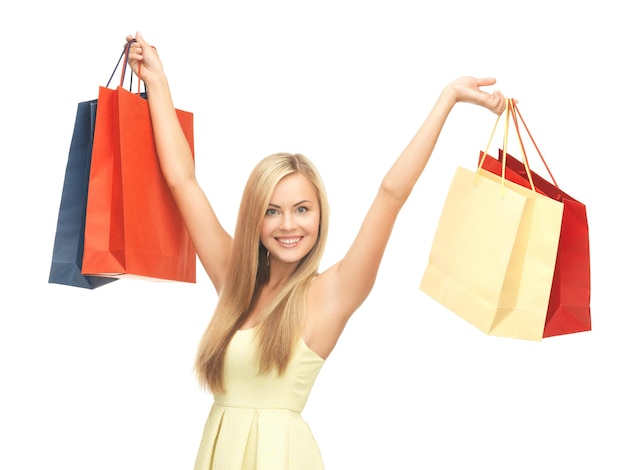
[[103, 379]]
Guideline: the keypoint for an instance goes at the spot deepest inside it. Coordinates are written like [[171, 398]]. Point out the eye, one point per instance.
[[271, 212], [302, 210]]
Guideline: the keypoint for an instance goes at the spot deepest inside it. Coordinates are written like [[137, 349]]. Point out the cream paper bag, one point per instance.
[[493, 255]]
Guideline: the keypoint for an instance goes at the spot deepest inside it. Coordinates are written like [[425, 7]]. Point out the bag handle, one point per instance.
[[509, 113], [124, 56], [516, 114]]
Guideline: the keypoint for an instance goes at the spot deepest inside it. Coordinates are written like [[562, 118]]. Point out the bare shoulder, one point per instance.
[[322, 325]]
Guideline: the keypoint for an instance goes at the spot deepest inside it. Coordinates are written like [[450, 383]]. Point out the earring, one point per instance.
[[267, 258]]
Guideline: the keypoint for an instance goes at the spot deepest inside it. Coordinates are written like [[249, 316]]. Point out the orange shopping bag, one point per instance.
[[133, 227]]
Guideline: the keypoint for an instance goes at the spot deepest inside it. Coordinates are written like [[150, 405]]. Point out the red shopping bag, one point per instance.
[[569, 306], [133, 227]]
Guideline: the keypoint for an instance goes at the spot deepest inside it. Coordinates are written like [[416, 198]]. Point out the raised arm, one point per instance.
[[340, 290], [211, 241]]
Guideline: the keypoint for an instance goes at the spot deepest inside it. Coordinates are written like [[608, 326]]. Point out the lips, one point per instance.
[[289, 241]]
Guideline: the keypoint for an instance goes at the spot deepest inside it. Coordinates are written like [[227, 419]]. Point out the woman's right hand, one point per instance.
[[143, 58]]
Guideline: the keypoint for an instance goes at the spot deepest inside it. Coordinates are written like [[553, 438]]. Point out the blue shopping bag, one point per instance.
[[67, 254]]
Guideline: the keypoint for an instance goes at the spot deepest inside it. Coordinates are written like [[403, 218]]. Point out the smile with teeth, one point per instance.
[[288, 241]]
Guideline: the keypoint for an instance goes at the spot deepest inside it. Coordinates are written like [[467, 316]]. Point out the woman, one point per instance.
[[277, 318]]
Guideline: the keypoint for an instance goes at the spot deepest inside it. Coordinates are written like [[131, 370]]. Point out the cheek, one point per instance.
[[313, 226], [266, 229]]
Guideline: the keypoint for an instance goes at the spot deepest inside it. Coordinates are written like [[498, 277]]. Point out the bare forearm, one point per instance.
[[171, 144], [401, 178]]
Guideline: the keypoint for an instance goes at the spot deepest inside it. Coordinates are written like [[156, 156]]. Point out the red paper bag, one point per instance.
[[133, 227], [569, 306]]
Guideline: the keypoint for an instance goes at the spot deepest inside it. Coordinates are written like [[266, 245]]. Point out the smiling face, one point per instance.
[[291, 223]]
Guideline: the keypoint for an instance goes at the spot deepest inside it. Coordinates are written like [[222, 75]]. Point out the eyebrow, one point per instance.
[[296, 204]]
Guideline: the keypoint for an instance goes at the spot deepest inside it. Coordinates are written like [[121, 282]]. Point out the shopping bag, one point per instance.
[[493, 254], [133, 227], [569, 306], [67, 254]]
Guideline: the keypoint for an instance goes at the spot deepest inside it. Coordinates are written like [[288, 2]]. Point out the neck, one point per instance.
[[279, 275]]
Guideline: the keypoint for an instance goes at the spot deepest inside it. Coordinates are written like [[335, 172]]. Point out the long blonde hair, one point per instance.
[[281, 322]]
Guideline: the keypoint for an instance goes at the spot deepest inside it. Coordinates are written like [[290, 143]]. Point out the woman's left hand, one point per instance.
[[467, 89]]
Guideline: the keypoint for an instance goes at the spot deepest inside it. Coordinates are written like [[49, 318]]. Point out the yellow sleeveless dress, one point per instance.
[[256, 424]]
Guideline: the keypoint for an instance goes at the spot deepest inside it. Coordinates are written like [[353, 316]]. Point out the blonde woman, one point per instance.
[[277, 319]]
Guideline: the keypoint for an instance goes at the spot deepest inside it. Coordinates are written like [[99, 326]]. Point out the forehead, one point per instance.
[[293, 188]]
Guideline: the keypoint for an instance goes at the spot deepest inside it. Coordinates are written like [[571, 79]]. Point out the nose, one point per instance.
[[287, 222]]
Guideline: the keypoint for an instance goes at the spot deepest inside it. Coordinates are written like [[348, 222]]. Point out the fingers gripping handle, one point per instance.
[[124, 56]]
